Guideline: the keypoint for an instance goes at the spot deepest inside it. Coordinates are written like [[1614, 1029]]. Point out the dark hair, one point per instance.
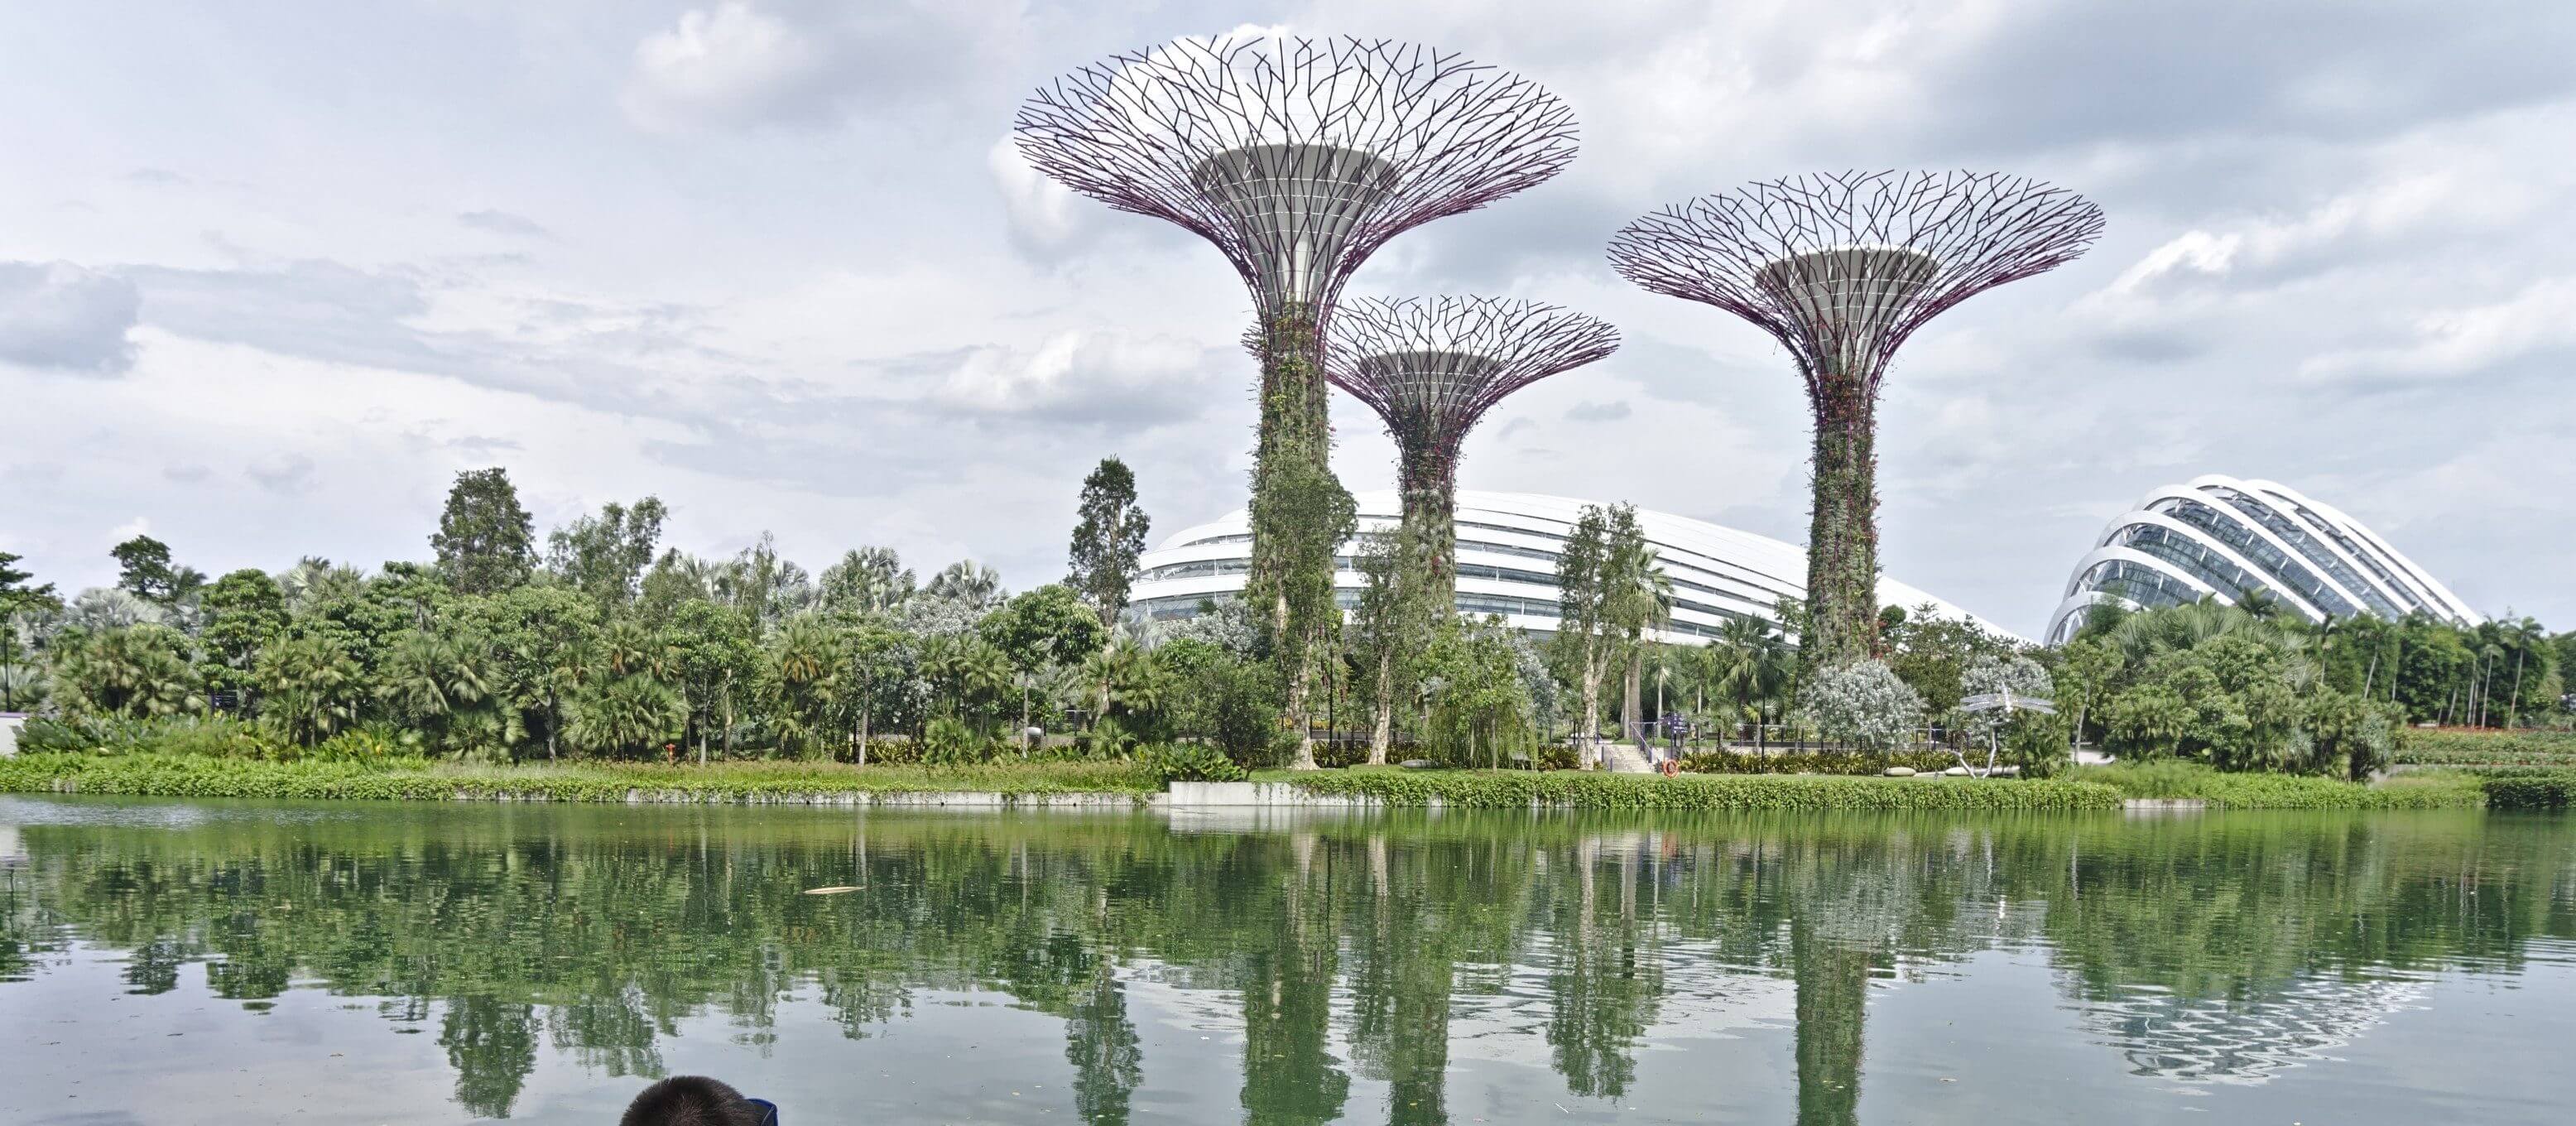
[[691, 1100]]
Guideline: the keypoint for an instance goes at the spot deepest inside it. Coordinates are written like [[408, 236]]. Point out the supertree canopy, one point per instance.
[[1840, 269], [1432, 368], [1297, 158]]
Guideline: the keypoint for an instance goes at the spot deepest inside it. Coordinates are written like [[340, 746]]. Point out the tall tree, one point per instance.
[[485, 543], [604, 556], [17, 598], [144, 567], [1108, 540], [869, 580], [245, 611], [1587, 633]]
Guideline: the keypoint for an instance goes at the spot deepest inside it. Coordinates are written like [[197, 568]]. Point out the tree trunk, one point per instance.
[[1590, 724], [863, 734], [1842, 536], [1384, 733], [1632, 701]]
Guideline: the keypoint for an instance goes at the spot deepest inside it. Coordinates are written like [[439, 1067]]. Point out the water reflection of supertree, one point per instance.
[[1289, 1073], [2253, 936]]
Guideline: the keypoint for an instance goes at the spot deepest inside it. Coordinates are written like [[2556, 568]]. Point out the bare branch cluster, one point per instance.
[[1431, 367], [1298, 158], [1842, 267]]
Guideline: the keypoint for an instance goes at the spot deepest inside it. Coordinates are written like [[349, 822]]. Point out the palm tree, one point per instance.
[[1639, 596], [626, 713], [310, 687], [803, 658], [137, 672], [1753, 662]]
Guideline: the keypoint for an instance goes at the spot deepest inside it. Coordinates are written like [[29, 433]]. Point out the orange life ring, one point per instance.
[[1672, 769]]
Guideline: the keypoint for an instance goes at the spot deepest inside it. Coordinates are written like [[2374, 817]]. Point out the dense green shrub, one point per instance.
[[413, 780], [2168, 778], [2530, 787], [1189, 763], [1527, 788], [947, 741], [2487, 748], [209, 736], [1557, 756], [1815, 762]]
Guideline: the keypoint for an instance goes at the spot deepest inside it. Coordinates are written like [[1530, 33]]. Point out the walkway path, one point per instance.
[[1626, 758]]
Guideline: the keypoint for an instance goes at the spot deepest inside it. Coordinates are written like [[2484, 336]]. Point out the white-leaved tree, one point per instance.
[[1862, 705]]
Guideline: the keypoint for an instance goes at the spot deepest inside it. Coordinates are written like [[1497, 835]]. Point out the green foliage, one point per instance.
[[243, 612], [1229, 702], [2228, 701], [1522, 789], [160, 775], [948, 741], [1479, 710], [1934, 654], [2174, 779], [1042, 627], [143, 567], [1815, 762], [604, 556], [626, 715], [867, 580], [207, 737], [484, 542], [1189, 763], [2487, 748], [310, 687], [136, 672], [2530, 788], [1108, 539]]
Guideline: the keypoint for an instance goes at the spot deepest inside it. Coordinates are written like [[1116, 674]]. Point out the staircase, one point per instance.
[[1627, 758]]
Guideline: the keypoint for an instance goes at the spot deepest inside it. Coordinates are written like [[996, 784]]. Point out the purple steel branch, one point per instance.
[[1432, 367], [1933, 239], [1279, 149]]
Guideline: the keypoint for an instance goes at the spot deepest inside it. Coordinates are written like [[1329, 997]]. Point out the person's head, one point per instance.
[[693, 1100]]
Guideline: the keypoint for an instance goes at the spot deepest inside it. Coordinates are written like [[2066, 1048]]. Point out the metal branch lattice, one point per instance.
[[1297, 158], [1432, 367], [1842, 267]]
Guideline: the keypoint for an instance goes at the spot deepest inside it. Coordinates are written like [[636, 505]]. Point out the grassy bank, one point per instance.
[[1523, 788], [2471, 748], [198, 777], [2430, 790]]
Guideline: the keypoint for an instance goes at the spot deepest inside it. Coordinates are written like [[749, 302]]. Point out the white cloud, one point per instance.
[[722, 67], [2457, 343], [66, 317]]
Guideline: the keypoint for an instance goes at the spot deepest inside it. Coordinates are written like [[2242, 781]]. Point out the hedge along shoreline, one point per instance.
[[787, 783], [1504, 789]]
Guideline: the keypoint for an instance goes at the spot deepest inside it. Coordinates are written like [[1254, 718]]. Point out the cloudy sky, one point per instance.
[[271, 273]]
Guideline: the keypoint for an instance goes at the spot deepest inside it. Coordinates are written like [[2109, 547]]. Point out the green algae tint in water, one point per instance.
[[241, 962]]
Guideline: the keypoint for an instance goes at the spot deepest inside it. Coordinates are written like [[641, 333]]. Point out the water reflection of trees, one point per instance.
[[597, 932]]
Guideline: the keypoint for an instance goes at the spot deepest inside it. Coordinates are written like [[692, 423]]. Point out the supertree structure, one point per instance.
[[1432, 367], [1841, 268], [1297, 158]]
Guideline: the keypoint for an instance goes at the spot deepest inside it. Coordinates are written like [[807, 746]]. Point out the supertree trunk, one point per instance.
[[1300, 512], [1842, 538], [1427, 479]]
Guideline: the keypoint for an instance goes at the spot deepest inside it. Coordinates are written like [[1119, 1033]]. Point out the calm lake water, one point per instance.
[[265, 962]]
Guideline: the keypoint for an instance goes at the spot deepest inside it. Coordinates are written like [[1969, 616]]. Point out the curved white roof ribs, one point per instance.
[[2317, 545]]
